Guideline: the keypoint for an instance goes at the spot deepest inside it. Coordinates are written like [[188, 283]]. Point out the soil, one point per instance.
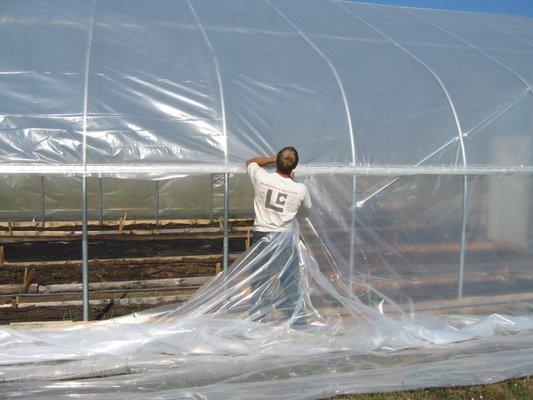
[[111, 271], [113, 258], [124, 246]]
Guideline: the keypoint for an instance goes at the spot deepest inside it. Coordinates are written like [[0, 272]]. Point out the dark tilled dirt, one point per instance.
[[123, 247], [110, 271], [112, 259], [70, 313]]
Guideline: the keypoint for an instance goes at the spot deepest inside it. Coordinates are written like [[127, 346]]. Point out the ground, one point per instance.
[[514, 389]]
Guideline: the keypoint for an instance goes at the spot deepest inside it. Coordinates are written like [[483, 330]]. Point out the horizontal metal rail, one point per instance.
[[158, 171]]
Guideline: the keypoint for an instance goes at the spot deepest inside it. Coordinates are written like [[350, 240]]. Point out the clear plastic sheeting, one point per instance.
[[415, 134], [154, 89], [277, 323]]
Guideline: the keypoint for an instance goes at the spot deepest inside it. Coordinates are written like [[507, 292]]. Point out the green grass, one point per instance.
[[516, 389]]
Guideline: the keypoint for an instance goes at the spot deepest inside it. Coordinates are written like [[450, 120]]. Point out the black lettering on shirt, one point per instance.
[[280, 201]]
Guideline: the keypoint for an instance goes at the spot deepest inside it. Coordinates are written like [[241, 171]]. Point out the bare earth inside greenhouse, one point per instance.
[[124, 129]]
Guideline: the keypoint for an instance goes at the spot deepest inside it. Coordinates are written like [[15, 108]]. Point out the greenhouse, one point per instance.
[[124, 131]]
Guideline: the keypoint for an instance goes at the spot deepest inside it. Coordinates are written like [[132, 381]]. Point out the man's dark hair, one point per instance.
[[286, 160]]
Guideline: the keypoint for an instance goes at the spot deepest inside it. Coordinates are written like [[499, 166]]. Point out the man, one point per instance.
[[277, 195], [276, 203]]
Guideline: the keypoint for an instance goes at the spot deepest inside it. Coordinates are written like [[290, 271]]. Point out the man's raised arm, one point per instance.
[[261, 161]]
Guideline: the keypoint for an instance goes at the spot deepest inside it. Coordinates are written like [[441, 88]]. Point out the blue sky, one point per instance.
[[524, 7]]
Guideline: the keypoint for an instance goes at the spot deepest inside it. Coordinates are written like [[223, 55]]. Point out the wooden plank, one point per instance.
[[18, 288], [43, 324], [474, 301], [113, 223], [430, 248], [121, 222], [126, 301], [127, 285], [137, 232], [439, 279], [248, 238], [108, 295], [468, 303], [29, 275]]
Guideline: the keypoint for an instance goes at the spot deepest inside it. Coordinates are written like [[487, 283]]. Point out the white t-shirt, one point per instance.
[[276, 200]]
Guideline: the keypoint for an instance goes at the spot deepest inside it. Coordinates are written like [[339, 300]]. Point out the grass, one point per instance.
[[515, 389]]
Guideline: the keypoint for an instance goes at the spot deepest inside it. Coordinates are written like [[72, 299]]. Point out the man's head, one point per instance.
[[286, 160]]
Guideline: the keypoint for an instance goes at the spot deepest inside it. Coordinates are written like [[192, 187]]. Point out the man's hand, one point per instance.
[[261, 161]]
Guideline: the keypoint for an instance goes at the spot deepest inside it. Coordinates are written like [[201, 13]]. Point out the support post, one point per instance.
[[212, 200], [101, 207], [156, 208], [226, 222], [85, 250], [43, 222], [352, 231], [464, 216]]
